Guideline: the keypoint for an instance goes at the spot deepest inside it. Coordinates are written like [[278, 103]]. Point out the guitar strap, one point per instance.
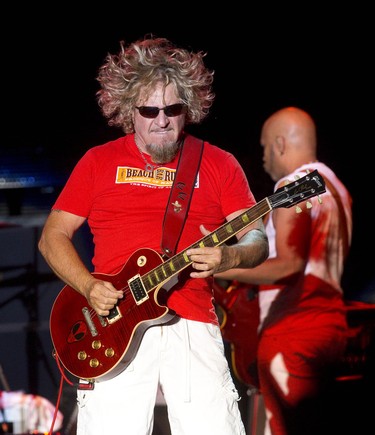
[[181, 193]]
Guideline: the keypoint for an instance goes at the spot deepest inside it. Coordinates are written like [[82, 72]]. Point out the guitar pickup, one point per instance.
[[138, 290]]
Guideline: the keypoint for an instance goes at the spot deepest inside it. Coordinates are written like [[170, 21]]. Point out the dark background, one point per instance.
[[266, 59], [318, 60]]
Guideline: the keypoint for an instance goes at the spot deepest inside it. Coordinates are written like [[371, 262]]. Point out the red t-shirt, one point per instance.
[[125, 207]]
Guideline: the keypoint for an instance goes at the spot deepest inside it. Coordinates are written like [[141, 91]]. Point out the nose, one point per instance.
[[161, 120]]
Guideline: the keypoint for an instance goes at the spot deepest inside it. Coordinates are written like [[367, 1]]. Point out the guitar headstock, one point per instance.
[[299, 190]]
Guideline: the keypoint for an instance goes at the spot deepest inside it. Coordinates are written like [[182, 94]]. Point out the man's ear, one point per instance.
[[280, 144]]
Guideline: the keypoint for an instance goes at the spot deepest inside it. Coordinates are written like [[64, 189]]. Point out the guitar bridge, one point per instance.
[[138, 290]]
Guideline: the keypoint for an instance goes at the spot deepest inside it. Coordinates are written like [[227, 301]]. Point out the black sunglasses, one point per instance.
[[153, 112]]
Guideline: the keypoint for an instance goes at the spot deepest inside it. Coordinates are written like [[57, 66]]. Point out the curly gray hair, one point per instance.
[[143, 64]]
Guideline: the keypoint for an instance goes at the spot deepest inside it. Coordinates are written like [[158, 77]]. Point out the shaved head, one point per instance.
[[295, 125], [290, 135]]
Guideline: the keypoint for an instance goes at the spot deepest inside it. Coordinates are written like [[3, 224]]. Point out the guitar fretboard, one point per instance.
[[180, 261]]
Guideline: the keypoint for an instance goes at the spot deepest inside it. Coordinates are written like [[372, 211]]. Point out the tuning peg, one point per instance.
[[297, 177], [320, 199], [298, 209], [308, 204]]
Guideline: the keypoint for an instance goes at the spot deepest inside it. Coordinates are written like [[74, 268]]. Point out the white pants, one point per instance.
[[187, 360]]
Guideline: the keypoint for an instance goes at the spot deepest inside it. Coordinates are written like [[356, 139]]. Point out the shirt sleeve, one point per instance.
[[76, 196]]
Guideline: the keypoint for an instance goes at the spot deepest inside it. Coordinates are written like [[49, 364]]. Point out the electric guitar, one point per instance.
[[90, 346]]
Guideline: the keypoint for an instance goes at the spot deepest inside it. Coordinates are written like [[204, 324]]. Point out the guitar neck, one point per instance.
[[180, 261], [301, 189]]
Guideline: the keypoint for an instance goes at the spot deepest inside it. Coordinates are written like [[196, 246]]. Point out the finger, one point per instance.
[[205, 274], [203, 230]]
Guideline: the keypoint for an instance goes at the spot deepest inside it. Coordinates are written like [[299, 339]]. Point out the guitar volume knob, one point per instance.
[[94, 363], [109, 352], [96, 344], [82, 355]]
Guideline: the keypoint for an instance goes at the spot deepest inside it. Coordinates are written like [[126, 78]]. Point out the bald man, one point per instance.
[[303, 328]]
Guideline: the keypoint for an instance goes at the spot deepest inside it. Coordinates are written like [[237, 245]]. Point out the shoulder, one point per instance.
[[111, 147], [210, 150], [215, 154], [100, 155]]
